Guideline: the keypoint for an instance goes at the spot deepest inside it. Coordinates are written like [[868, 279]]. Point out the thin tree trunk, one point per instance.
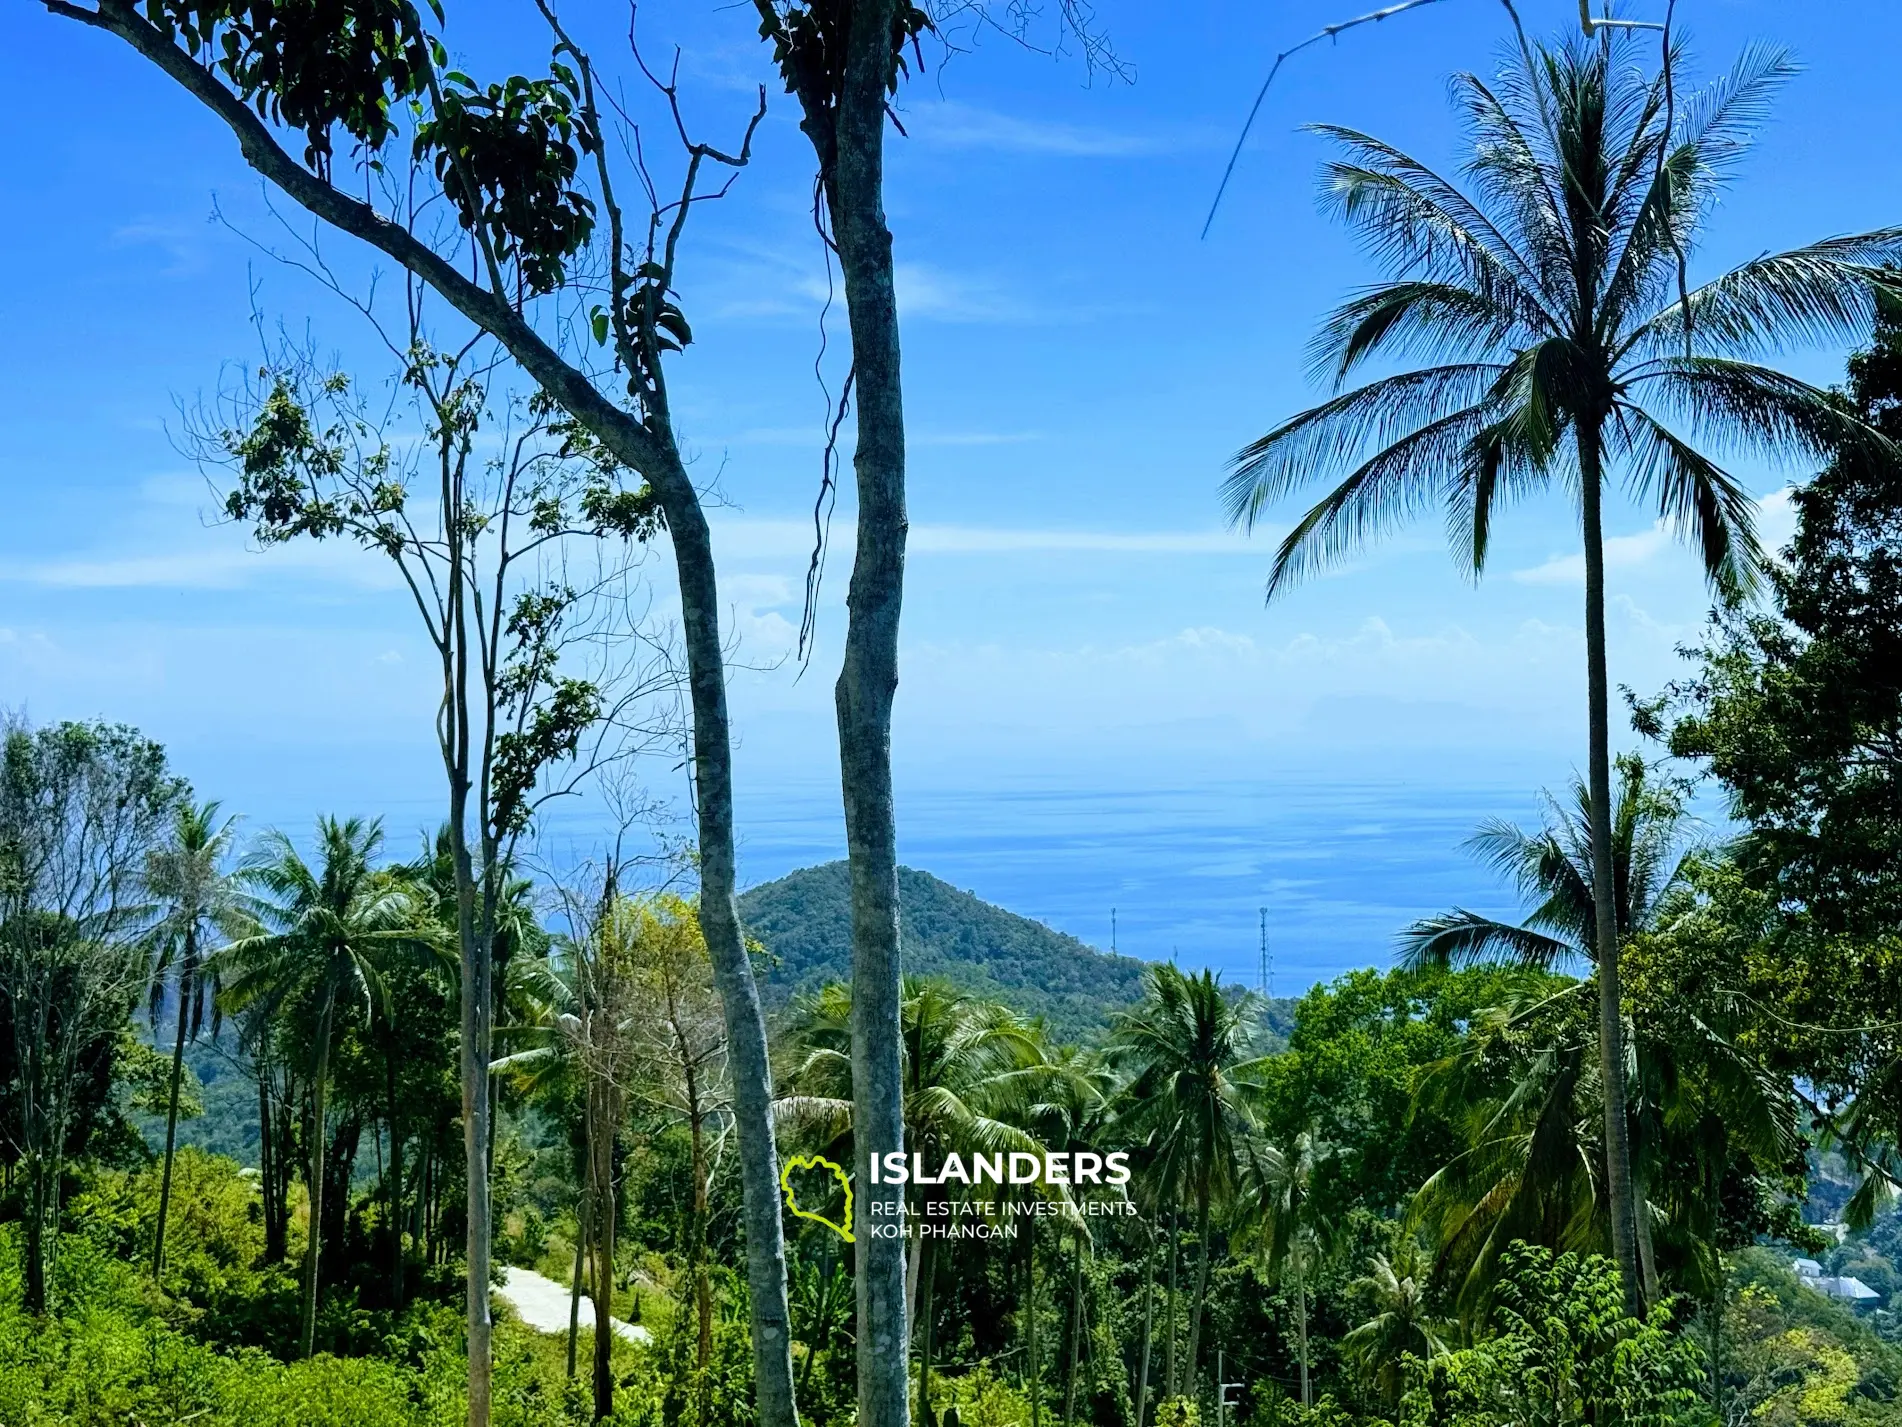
[[319, 1144], [171, 1109], [928, 1292], [748, 1062], [1076, 1330], [1149, 1306], [1647, 1251], [1169, 1317], [396, 1182], [41, 1230], [267, 1170], [475, 1137], [574, 1292], [1716, 1311], [914, 1268], [822, 1312], [1035, 1364], [646, 446], [172, 1127], [702, 1279], [1201, 1284], [340, 1165], [601, 1187], [1611, 1049], [1301, 1315], [850, 145]]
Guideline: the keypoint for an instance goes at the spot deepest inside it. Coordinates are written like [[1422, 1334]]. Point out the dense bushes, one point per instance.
[[119, 1350]]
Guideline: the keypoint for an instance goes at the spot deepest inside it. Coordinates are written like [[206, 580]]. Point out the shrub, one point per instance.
[[1564, 1352]]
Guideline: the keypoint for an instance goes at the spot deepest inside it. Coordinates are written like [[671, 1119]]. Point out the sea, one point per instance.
[[1323, 871]]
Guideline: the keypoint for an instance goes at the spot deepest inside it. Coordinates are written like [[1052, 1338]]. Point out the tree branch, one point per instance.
[[623, 434]]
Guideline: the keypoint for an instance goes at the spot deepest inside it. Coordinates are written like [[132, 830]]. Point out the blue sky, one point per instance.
[[1097, 709]]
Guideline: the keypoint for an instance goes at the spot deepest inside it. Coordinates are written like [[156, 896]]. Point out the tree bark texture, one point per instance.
[[171, 1114], [1611, 1046], [867, 685]]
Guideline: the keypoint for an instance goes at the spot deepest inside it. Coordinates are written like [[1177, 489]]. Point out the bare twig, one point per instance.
[[1374, 17], [1326, 32]]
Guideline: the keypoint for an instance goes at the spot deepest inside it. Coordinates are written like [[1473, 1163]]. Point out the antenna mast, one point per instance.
[[1267, 973]]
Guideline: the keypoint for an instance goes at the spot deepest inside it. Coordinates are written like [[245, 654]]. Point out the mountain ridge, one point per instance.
[[804, 920]]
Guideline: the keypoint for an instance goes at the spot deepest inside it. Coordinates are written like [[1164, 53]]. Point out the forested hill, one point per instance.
[[804, 919]]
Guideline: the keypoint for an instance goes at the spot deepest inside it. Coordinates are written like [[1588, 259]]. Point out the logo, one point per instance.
[[813, 1161]]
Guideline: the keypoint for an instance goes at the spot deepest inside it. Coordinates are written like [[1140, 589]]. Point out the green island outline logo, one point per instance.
[[817, 1161]]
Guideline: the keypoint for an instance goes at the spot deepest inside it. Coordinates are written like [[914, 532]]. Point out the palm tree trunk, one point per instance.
[[1611, 1050], [1716, 1311], [268, 1170], [1149, 1318], [1301, 1315], [1201, 1282], [1647, 1251], [601, 1157], [1033, 1365], [924, 1331], [319, 1145], [574, 1291], [1169, 1317], [171, 1113], [748, 1061], [914, 1270], [396, 1181], [1076, 1330]]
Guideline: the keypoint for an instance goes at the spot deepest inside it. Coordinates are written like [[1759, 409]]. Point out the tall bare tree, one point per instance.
[[842, 60], [527, 169], [510, 564]]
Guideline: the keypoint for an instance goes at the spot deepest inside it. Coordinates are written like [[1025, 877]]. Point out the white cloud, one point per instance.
[[1621, 552], [1776, 519], [1776, 525], [927, 291], [186, 246], [211, 568], [745, 538], [813, 436], [952, 125]]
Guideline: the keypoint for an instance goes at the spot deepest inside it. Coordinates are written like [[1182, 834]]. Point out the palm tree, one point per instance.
[[1072, 1114], [1400, 1323], [326, 932], [197, 903], [971, 1072], [1551, 294], [1279, 1215], [1188, 1046], [1531, 1169], [1554, 869]]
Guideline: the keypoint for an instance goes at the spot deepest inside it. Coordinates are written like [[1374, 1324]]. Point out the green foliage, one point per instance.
[[1798, 714], [507, 154], [313, 66], [1563, 1352], [805, 922]]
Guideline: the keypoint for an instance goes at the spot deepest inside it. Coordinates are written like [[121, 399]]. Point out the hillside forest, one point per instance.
[[363, 1125]]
